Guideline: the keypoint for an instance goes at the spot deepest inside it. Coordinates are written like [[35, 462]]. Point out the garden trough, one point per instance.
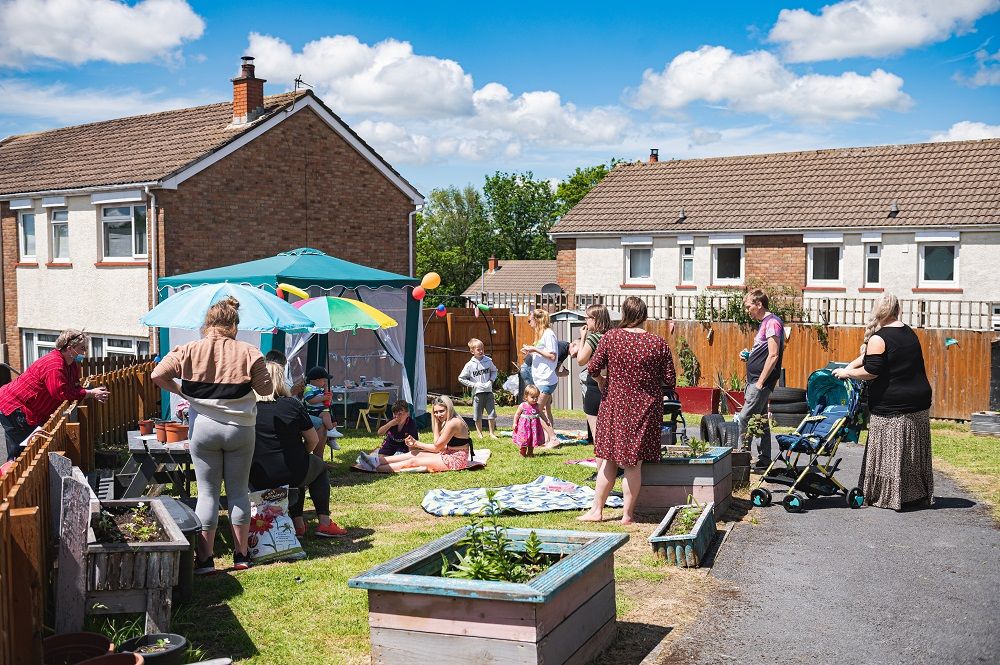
[[669, 482], [686, 550]]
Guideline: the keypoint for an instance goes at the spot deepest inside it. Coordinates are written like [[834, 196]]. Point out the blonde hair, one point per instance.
[[474, 342], [885, 309], [277, 373], [531, 390], [223, 316], [446, 402], [541, 319]]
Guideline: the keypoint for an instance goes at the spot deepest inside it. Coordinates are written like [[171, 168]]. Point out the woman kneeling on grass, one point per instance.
[[450, 450]]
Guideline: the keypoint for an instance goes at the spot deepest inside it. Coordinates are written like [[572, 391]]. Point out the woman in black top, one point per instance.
[[285, 437], [896, 469]]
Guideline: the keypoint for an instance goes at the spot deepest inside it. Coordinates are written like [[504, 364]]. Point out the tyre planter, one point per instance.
[[685, 550], [566, 614], [788, 419], [784, 394], [669, 482], [788, 407], [699, 400], [174, 654], [709, 429]]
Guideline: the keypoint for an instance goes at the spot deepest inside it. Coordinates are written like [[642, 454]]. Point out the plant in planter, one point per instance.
[[158, 648], [433, 605], [694, 399], [685, 533]]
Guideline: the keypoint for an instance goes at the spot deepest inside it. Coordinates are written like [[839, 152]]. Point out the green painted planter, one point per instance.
[[564, 615], [685, 550]]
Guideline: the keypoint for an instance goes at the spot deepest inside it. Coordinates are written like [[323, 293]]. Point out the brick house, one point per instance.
[[91, 215], [921, 221]]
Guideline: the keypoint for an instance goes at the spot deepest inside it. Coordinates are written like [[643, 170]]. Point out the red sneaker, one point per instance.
[[330, 530]]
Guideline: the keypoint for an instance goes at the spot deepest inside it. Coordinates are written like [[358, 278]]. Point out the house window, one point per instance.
[[687, 264], [124, 231], [59, 221], [26, 235], [727, 265], [37, 343], [638, 260], [118, 347], [824, 264], [938, 264], [873, 260]]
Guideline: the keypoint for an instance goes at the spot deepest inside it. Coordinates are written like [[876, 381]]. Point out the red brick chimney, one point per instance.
[[493, 264], [654, 155], [248, 94]]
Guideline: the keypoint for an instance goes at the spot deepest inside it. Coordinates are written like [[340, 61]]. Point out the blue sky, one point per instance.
[[449, 92]]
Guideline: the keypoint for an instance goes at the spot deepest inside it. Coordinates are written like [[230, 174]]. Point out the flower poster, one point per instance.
[[272, 532]]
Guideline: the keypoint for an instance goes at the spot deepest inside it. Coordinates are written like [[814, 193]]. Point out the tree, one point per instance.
[[452, 240], [576, 186], [520, 210]]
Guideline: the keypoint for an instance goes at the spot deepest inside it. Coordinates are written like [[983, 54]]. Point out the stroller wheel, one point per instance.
[[792, 503], [855, 498], [760, 497]]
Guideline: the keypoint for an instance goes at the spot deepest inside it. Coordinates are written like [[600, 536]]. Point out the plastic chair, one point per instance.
[[378, 406]]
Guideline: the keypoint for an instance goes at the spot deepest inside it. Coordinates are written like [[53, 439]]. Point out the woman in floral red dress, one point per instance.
[[639, 366]]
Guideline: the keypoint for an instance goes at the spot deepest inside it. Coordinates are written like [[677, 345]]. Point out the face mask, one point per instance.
[[79, 358]]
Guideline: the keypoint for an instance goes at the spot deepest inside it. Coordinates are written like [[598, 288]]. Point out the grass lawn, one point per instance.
[[974, 461], [303, 612]]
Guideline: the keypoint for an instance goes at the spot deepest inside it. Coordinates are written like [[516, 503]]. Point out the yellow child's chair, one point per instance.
[[378, 407]]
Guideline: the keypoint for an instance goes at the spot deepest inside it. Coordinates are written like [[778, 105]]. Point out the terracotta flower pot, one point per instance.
[[73, 648], [176, 432], [161, 432], [145, 427]]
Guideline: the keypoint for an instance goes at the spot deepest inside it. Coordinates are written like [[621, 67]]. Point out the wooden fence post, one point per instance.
[[75, 447], [26, 537], [71, 584]]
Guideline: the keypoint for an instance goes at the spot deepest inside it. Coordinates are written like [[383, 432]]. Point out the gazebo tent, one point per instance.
[[319, 274]]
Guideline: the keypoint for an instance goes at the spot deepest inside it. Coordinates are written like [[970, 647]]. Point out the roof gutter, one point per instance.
[[79, 190], [758, 232]]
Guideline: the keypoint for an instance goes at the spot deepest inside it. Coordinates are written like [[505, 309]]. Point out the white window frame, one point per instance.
[[870, 256], [648, 279], [716, 280], [101, 346], [930, 283], [687, 255], [811, 281], [22, 254], [31, 344], [53, 223], [145, 243]]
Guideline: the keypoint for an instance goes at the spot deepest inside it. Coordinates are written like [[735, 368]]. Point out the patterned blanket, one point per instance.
[[541, 495]]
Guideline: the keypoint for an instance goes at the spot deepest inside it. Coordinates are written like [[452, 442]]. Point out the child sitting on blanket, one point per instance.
[[528, 432], [478, 375], [397, 429]]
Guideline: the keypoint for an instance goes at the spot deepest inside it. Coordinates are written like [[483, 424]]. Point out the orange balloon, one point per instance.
[[431, 281]]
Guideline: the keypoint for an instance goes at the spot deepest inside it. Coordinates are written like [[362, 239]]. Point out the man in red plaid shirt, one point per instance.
[[31, 398]]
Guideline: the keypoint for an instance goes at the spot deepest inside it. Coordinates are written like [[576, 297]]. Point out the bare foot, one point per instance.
[[626, 520], [591, 516]]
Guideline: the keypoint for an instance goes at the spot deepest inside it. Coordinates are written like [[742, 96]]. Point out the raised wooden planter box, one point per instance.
[[564, 616], [699, 400], [685, 550], [670, 481], [985, 423]]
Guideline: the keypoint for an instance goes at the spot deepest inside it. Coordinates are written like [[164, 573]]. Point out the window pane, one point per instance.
[[143, 349], [939, 263], [60, 241], [638, 263], [118, 239], [871, 275], [727, 263], [27, 234], [826, 263], [687, 270], [97, 347], [60, 216], [117, 212], [140, 230]]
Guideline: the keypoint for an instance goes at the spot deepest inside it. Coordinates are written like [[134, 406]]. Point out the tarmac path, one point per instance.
[[835, 585]]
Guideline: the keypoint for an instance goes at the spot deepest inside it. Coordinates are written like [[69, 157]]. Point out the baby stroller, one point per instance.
[[674, 425], [805, 458]]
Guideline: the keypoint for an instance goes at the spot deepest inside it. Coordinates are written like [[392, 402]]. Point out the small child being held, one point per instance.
[[528, 432], [397, 429], [316, 398], [478, 375]]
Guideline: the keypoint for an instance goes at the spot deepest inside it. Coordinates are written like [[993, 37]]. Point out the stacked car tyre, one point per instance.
[[788, 406]]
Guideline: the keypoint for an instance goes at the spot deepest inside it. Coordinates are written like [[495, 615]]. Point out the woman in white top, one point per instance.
[[544, 353]]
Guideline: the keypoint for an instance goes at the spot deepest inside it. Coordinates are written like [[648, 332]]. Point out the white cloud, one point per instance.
[[987, 71], [968, 131], [758, 82], [19, 97], [418, 108], [873, 27], [700, 136], [79, 31]]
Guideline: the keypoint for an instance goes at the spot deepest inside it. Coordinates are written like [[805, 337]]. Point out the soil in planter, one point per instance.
[[684, 521], [127, 524]]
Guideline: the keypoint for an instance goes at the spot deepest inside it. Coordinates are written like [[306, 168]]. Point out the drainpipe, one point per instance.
[[3, 310], [154, 214], [409, 224]]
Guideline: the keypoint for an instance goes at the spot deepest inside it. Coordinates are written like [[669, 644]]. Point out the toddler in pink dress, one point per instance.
[[528, 432]]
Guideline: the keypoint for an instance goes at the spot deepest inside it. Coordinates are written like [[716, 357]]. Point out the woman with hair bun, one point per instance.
[[896, 469], [218, 376]]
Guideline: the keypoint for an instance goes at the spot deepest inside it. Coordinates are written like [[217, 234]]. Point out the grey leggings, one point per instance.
[[222, 452]]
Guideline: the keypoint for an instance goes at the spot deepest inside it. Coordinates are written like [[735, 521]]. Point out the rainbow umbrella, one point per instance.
[[341, 314]]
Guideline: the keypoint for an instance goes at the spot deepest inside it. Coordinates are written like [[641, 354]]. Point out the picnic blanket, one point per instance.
[[566, 437], [541, 495], [479, 461], [590, 462]]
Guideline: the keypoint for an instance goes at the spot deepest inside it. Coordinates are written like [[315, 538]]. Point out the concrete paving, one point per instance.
[[834, 585]]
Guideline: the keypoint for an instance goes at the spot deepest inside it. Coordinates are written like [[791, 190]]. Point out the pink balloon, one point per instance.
[[419, 293]]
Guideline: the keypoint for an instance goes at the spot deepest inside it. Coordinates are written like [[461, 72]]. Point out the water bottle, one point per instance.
[[745, 355]]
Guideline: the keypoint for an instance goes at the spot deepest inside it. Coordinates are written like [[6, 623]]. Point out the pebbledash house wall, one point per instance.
[[297, 185], [596, 264]]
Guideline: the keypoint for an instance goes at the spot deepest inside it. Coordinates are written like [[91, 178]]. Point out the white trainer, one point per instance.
[[334, 433]]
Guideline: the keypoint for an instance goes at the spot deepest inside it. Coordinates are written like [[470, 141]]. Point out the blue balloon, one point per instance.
[[440, 307]]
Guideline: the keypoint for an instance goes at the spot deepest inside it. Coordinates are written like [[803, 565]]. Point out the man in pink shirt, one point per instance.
[[763, 368]]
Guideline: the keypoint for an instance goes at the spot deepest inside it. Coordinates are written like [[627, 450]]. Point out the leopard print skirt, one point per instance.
[[897, 463]]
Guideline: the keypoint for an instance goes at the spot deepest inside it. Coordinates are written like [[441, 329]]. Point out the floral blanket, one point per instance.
[[541, 495]]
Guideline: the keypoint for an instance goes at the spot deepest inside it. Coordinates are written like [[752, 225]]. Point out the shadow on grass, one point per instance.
[[633, 643], [358, 539], [208, 622]]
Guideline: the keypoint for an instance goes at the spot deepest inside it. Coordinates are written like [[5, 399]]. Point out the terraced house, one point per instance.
[[93, 214], [921, 221]]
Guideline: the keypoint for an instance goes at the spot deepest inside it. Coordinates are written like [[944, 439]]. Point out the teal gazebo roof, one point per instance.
[[303, 267]]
